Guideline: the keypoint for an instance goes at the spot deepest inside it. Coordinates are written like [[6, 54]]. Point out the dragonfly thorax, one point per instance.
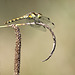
[[34, 15]]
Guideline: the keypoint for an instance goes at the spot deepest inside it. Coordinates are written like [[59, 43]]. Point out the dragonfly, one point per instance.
[[33, 17], [39, 21]]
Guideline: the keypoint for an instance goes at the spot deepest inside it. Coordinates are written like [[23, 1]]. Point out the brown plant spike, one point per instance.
[[17, 50]]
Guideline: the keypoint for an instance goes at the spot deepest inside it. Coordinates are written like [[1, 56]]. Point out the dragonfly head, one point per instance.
[[39, 15]]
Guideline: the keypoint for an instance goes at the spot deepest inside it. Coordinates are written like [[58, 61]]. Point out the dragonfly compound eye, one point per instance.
[[39, 15]]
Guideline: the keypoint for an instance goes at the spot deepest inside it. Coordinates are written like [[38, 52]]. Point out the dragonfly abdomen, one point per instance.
[[16, 19]]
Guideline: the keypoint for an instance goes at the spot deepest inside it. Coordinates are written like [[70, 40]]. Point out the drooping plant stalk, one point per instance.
[[18, 43]]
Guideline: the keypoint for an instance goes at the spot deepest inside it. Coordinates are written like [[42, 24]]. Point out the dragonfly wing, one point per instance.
[[36, 26], [47, 21]]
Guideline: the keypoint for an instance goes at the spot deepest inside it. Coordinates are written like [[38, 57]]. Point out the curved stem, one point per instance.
[[54, 43]]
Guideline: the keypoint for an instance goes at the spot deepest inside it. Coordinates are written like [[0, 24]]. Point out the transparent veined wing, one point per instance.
[[47, 21]]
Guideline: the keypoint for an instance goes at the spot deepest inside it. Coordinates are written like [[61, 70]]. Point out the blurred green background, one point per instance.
[[36, 45]]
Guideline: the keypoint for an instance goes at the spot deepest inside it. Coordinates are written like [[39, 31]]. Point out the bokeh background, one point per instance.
[[36, 44]]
